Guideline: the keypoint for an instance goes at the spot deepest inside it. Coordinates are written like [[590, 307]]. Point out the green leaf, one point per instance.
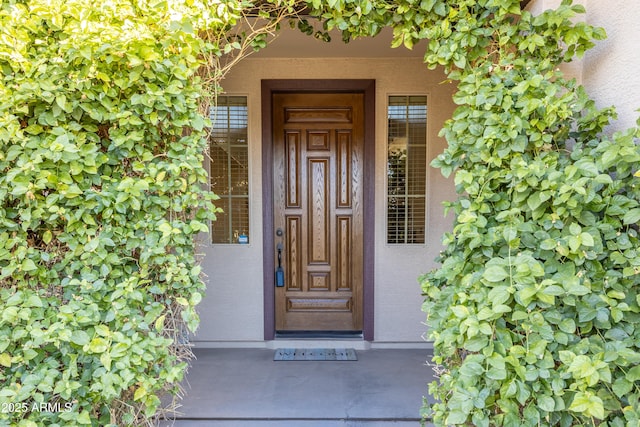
[[14, 299], [80, 337], [159, 323], [509, 234], [523, 393], [105, 359], [497, 374], [456, 417], [5, 360], [102, 330], [83, 418], [568, 326], [554, 290], [6, 392], [587, 240], [471, 369], [139, 393], [33, 301], [622, 386], [460, 311], [536, 199], [587, 167], [495, 273], [548, 244], [632, 216], [633, 374], [476, 343], [98, 345], [526, 294], [588, 404], [485, 313], [440, 9], [546, 403], [198, 123], [160, 177], [427, 5], [499, 295], [575, 229], [502, 308], [28, 265], [61, 101], [575, 288], [92, 245]]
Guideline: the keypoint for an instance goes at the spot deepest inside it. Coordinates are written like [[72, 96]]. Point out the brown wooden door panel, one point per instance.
[[318, 199]]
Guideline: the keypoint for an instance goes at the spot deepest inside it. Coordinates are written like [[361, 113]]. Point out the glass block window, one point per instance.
[[229, 169], [406, 169]]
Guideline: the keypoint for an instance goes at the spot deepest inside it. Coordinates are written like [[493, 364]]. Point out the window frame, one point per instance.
[[406, 196], [229, 227]]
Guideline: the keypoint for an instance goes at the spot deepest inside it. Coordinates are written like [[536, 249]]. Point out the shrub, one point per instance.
[[535, 310], [102, 192]]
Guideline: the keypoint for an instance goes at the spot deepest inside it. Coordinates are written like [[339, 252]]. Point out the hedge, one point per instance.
[[102, 192]]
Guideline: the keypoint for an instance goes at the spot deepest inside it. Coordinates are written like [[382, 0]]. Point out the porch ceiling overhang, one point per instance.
[[290, 43]]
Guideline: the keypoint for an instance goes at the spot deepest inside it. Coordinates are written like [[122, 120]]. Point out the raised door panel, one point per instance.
[[318, 209]]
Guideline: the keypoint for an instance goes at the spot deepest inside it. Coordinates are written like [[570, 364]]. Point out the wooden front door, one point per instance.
[[318, 210]]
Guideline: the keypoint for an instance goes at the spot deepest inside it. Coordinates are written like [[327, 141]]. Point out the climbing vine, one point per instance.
[[534, 311], [101, 196]]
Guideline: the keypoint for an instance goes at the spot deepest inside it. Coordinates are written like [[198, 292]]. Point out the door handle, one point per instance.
[[279, 269]]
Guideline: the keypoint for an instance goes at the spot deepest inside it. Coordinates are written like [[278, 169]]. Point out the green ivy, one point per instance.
[[535, 311], [102, 192]]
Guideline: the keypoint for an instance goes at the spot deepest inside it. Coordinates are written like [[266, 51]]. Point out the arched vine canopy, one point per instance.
[[534, 310]]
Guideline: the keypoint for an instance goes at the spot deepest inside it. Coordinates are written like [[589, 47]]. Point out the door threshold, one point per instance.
[[332, 335], [354, 343]]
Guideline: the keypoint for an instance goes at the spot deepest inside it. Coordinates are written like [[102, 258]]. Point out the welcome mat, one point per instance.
[[315, 354]]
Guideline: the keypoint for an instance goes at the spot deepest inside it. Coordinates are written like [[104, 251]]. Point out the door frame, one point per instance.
[[367, 88]]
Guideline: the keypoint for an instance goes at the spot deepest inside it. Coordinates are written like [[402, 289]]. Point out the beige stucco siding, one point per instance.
[[233, 307], [609, 71], [232, 310]]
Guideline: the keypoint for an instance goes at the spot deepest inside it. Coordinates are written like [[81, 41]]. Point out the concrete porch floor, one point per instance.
[[246, 387]]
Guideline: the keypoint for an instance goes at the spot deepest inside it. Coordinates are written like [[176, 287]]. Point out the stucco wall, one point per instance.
[[609, 71], [233, 307]]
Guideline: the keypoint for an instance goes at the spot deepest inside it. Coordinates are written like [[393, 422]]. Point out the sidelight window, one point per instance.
[[229, 169], [406, 169]]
